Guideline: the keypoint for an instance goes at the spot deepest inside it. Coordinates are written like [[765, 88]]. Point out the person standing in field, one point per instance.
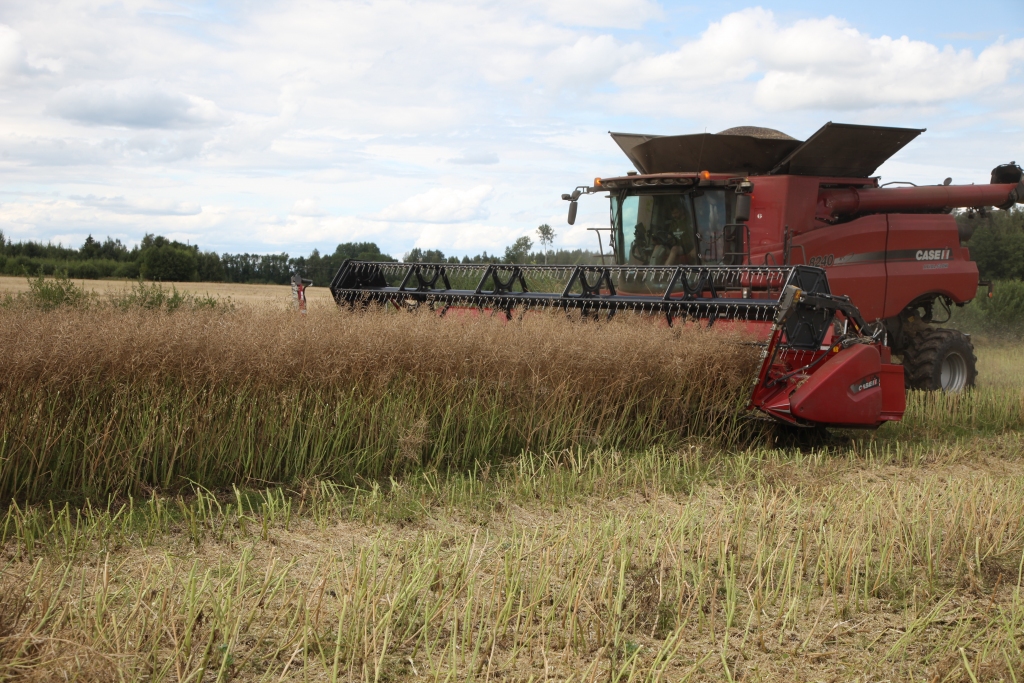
[[299, 291]]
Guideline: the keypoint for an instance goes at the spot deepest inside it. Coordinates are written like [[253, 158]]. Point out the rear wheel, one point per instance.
[[939, 359]]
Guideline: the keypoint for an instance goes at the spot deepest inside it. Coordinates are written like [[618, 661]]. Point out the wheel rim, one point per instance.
[[953, 373]]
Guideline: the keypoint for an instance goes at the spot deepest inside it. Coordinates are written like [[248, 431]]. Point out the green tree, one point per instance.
[[209, 267], [169, 263], [546, 235], [519, 251], [997, 243], [90, 249], [417, 255]]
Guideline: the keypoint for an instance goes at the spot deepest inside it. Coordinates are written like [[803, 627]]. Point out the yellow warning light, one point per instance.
[[597, 182], [705, 175]]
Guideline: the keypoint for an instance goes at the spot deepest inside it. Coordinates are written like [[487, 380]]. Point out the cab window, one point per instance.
[[709, 208], [655, 230]]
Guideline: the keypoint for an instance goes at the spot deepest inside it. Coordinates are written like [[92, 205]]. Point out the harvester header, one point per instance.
[[794, 301]]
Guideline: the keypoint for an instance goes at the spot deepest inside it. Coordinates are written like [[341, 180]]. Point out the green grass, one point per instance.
[[579, 566]]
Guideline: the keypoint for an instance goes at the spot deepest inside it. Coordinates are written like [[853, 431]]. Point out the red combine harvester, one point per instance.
[[752, 227]]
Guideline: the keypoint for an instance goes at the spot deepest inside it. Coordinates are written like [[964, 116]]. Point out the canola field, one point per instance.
[[203, 490]]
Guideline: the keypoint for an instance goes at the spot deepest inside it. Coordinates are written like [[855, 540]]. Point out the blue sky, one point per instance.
[[283, 126]]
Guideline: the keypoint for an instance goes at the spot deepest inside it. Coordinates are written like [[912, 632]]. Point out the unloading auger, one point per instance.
[[822, 364]]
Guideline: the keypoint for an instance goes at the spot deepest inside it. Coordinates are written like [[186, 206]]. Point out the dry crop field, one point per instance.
[[241, 493], [253, 294]]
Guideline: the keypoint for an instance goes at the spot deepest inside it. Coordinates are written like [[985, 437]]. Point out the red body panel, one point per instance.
[[853, 387], [845, 390], [924, 255], [853, 257], [882, 261], [778, 203], [894, 395]]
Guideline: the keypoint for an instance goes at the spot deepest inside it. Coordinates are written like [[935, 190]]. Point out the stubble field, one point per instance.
[[238, 493]]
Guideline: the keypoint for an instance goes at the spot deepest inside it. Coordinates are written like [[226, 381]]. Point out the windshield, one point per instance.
[[669, 229]]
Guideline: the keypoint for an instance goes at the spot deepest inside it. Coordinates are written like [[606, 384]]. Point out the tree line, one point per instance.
[[161, 259], [996, 245], [997, 242]]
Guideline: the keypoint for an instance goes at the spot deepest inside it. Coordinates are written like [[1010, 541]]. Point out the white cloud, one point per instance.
[[140, 207], [69, 220], [296, 231], [467, 238], [307, 207], [475, 157], [12, 52], [134, 104], [14, 60], [602, 13], [589, 60], [440, 205], [819, 63]]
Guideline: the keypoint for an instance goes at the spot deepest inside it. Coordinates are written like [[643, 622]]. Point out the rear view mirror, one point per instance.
[[741, 212], [572, 213]]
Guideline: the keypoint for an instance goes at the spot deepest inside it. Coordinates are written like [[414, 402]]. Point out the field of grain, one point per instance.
[[318, 297], [241, 493]]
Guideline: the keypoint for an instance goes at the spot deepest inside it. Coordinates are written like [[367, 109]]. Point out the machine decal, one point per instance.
[[945, 254], [864, 257], [868, 383], [933, 254]]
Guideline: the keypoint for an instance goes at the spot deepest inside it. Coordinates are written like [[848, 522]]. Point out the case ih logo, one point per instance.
[[869, 383], [933, 254]]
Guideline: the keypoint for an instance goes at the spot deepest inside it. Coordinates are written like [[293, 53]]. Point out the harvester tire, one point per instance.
[[940, 359]]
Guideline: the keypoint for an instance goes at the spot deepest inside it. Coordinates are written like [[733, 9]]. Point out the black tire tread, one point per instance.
[[922, 354]]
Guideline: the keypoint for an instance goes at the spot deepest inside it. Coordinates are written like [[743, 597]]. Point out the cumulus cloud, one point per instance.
[[820, 63], [140, 207], [440, 205], [296, 230], [589, 60], [467, 238], [602, 13], [12, 52], [307, 207], [134, 104], [67, 220], [475, 157], [14, 59]]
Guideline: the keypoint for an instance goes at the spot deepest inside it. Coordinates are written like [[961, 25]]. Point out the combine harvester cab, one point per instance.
[[821, 363]]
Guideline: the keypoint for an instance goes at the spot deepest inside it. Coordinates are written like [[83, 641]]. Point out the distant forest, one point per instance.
[[997, 245], [160, 259]]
